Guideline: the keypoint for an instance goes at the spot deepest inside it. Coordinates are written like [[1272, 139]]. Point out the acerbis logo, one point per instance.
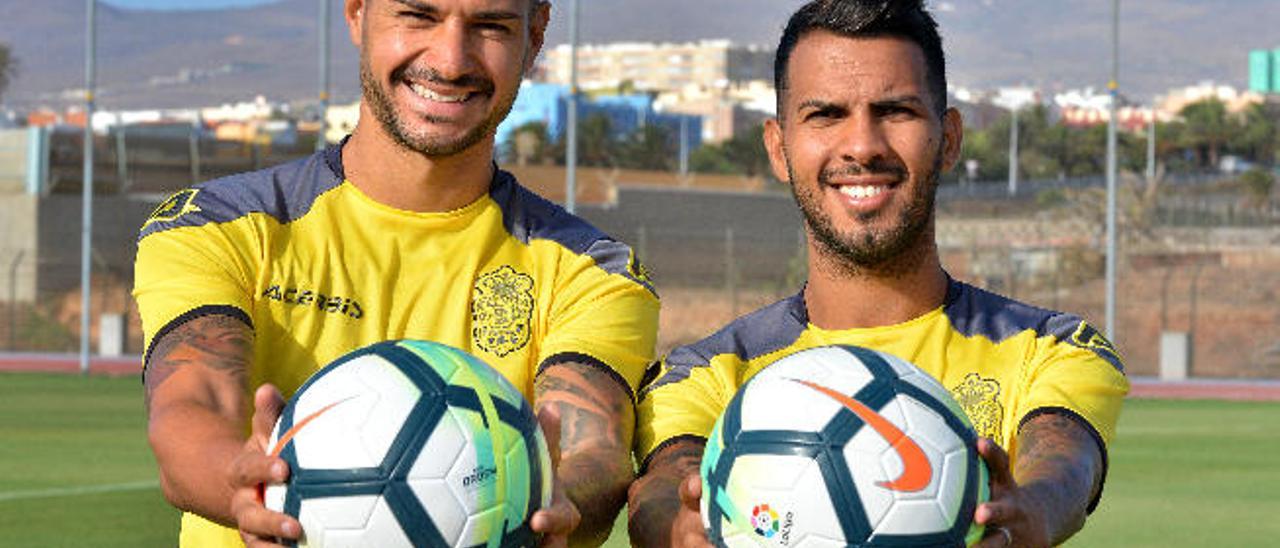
[[916, 470], [765, 521]]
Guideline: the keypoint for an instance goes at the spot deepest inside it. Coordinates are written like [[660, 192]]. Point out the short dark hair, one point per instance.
[[867, 19]]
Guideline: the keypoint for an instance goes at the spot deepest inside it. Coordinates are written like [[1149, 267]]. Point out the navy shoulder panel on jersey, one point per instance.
[[528, 216], [285, 192], [766, 330], [976, 312]]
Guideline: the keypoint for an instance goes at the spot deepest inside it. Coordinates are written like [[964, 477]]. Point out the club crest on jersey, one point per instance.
[[980, 399], [501, 309], [177, 205]]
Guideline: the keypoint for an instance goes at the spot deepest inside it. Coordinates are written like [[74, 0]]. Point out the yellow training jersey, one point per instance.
[[1003, 361], [319, 269]]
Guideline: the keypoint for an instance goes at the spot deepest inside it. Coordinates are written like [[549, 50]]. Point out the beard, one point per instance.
[[883, 251], [422, 140]]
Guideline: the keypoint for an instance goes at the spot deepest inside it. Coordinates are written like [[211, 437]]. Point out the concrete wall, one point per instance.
[[18, 250], [13, 161]]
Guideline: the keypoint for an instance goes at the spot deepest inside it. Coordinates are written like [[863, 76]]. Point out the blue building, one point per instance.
[[549, 104]]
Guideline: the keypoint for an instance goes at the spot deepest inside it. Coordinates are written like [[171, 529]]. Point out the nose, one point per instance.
[[862, 140], [451, 54]]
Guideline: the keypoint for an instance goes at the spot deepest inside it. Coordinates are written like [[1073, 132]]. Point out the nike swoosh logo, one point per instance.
[[297, 427], [916, 471], [290, 433]]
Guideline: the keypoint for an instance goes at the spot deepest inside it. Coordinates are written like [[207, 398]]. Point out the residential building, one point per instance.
[[628, 66]]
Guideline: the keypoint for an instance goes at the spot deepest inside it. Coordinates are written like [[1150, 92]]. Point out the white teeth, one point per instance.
[[426, 93], [861, 192]]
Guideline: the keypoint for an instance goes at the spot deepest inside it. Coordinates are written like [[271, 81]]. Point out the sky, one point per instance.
[[183, 4]]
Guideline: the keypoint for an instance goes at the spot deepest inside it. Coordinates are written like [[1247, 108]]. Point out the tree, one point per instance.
[[529, 144], [1208, 128], [8, 68], [743, 154], [1259, 137], [648, 147]]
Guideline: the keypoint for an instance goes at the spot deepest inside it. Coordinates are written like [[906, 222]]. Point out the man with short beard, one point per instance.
[[249, 284], [862, 133]]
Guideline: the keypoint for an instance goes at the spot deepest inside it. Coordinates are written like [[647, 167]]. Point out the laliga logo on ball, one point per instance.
[[882, 457]]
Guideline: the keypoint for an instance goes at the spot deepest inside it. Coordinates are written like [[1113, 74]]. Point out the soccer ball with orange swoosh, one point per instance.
[[411, 443], [842, 446]]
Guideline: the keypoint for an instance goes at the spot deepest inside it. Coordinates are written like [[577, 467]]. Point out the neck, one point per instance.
[[405, 179], [839, 297]]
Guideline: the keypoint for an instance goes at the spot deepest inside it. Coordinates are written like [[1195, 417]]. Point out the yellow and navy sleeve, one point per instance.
[[696, 382], [186, 269], [1077, 372], [605, 310], [201, 251]]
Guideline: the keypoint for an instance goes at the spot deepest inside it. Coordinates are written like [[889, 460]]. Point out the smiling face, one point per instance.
[[440, 75], [862, 144]]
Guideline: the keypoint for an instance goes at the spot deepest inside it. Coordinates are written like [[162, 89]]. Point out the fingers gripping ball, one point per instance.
[[842, 446], [411, 443]]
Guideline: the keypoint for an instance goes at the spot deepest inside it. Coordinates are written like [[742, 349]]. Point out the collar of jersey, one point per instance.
[[953, 292], [464, 213]]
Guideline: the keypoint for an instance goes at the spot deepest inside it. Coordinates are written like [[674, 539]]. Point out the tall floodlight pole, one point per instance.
[[571, 139], [1114, 87], [321, 142], [1013, 152], [86, 233]]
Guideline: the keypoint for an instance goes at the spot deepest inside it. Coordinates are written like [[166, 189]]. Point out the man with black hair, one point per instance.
[[862, 133], [406, 229]]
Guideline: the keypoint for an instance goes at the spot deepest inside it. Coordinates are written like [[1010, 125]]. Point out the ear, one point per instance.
[[537, 32], [773, 144], [952, 138], [353, 10]]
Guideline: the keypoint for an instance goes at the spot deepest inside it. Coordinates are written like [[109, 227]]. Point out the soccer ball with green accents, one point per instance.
[[411, 443]]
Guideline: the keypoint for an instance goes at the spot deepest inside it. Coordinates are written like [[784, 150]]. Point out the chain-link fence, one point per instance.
[[1198, 278]]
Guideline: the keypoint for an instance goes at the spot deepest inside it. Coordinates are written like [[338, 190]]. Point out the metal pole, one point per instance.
[[1151, 146], [1013, 153], [1114, 87], [13, 300], [321, 141], [86, 233], [571, 143], [684, 145], [193, 150]]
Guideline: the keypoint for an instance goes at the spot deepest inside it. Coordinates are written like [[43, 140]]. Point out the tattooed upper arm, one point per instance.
[[595, 410], [1063, 462], [217, 344]]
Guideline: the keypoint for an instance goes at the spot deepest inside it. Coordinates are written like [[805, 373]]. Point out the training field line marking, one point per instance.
[[77, 491]]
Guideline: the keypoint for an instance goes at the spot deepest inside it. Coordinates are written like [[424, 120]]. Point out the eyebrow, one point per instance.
[[909, 100], [419, 5], [498, 15], [819, 104]]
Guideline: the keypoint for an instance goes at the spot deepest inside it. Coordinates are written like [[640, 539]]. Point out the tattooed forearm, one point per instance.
[[1061, 465], [220, 343], [596, 422], [654, 499]]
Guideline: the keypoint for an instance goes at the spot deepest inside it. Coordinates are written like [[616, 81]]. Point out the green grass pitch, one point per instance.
[[75, 470]]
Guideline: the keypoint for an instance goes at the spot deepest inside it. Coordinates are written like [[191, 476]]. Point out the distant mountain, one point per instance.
[[169, 59]]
